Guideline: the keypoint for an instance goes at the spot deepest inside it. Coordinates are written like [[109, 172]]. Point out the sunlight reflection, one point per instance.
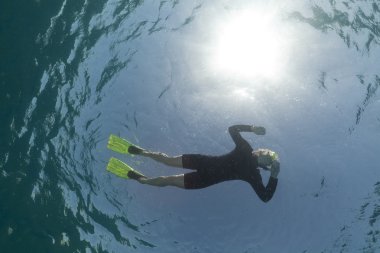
[[242, 93], [249, 44]]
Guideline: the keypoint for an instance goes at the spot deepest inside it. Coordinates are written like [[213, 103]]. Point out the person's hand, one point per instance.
[[258, 130], [275, 169]]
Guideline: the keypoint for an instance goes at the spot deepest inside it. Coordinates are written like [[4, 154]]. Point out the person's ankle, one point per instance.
[[142, 180], [145, 153]]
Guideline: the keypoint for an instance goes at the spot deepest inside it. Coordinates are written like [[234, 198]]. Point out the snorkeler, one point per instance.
[[242, 163]]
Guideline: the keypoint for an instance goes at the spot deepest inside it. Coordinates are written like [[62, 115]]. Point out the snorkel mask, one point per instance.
[[267, 158], [274, 156]]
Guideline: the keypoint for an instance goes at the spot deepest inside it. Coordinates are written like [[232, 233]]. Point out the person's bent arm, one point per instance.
[[236, 129], [275, 169], [265, 193]]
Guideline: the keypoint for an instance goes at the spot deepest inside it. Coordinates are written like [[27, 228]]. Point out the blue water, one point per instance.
[[73, 72]]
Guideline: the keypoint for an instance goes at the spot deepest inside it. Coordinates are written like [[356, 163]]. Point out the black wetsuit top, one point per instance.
[[239, 164]]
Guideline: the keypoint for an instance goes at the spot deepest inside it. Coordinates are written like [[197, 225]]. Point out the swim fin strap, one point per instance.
[[122, 169], [122, 146]]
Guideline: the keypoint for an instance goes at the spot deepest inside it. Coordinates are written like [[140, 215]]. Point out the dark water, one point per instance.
[[72, 72]]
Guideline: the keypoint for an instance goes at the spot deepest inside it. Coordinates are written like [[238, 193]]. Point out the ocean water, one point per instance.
[[172, 76]]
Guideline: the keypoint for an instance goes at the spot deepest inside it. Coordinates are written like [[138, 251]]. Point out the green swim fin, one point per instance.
[[123, 146], [122, 169]]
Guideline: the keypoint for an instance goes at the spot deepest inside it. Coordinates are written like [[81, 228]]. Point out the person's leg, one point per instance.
[[175, 180], [174, 161]]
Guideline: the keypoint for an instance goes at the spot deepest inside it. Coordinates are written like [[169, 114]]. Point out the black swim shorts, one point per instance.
[[198, 179]]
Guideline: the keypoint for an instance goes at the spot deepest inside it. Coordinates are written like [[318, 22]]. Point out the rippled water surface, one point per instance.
[[173, 76]]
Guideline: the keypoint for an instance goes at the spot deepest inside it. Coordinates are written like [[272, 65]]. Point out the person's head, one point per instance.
[[267, 159]]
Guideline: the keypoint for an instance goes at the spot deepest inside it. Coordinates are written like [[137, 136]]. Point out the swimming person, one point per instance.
[[242, 163]]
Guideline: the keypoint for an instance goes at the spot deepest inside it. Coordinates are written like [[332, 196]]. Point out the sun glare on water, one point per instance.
[[248, 45]]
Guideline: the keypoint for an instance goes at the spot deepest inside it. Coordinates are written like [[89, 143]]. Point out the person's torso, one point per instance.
[[240, 163]]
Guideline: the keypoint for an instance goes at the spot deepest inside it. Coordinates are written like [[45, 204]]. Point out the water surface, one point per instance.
[[73, 72]]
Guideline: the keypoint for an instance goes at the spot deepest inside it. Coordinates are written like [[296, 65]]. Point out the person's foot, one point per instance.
[[135, 150], [135, 175]]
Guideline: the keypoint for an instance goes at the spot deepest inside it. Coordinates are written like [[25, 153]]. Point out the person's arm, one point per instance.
[[265, 193], [236, 129], [275, 169]]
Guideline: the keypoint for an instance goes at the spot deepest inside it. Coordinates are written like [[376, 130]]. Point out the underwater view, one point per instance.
[[174, 77]]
